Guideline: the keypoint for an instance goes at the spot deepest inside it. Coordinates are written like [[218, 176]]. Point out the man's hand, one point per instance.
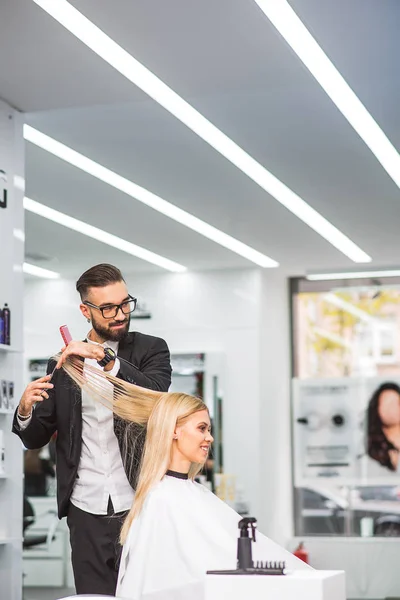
[[35, 392], [82, 349]]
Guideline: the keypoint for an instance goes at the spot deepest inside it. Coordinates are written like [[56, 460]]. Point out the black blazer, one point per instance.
[[149, 367]]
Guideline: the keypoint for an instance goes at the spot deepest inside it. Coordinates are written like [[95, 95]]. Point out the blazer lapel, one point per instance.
[[75, 425], [76, 409], [125, 347]]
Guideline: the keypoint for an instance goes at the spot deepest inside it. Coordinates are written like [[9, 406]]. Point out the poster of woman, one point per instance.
[[382, 431]]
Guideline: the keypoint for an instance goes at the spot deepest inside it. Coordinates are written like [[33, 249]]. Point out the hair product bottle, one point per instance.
[[7, 324], [1, 327]]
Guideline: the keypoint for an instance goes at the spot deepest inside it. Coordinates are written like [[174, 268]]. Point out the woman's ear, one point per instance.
[[176, 434]]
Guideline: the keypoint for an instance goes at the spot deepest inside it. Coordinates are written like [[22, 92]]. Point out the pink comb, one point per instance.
[[65, 334]]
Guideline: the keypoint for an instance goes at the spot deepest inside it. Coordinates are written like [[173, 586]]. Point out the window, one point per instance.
[[346, 348]]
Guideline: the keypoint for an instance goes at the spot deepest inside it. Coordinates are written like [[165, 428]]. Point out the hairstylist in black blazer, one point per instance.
[[96, 468]]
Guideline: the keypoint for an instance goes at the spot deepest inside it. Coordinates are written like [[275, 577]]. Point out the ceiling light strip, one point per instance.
[[39, 271], [352, 275], [293, 30], [134, 71], [101, 236], [145, 197]]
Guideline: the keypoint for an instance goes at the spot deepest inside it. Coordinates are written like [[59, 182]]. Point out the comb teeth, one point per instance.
[[276, 565]]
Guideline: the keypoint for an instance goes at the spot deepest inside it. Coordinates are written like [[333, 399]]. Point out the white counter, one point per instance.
[[298, 585]]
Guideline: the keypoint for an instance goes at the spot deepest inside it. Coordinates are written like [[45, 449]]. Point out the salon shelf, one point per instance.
[[7, 348], [9, 540]]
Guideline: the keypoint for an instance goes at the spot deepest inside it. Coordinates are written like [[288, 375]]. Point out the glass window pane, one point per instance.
[[346, 332]]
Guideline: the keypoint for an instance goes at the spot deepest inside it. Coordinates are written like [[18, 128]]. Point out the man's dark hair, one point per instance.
[[97, 276]]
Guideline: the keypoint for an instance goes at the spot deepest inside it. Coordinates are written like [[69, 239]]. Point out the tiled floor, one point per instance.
[[58, 593], [37, 593]]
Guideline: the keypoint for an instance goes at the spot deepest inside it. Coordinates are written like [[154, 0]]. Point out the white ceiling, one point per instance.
[[228, 61]]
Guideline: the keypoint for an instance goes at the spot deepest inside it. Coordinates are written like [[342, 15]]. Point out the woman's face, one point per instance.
[[194, 438], [389, 408]]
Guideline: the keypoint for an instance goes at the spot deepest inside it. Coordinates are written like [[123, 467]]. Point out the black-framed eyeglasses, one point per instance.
[[110, 311]]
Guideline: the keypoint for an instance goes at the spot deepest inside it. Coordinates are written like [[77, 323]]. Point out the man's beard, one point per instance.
[[111, 334]]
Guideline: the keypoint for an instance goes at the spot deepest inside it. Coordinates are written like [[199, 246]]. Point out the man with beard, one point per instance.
[[96, 467]]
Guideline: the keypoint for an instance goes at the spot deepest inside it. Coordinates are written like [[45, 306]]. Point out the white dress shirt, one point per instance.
[[101, 474]]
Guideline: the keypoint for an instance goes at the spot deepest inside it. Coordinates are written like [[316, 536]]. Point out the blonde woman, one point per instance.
[[176, 529]]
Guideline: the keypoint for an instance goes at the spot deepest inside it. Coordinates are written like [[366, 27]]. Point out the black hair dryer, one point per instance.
[[247, 528]]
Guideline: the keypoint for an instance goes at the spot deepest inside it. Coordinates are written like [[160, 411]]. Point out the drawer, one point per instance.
[[43, 572]]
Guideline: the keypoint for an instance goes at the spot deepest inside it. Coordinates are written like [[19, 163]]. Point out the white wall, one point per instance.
[[215, 311], [11, 357], [274, 420]]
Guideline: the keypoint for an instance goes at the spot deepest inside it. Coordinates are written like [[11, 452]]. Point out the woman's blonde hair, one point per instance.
[[159, 412]]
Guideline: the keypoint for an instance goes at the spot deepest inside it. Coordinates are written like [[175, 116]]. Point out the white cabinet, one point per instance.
[[46, 565], [43, 573]]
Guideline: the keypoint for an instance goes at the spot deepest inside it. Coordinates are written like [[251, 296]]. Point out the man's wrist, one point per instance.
[[109, 357], [109, 366], [23, 412]]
